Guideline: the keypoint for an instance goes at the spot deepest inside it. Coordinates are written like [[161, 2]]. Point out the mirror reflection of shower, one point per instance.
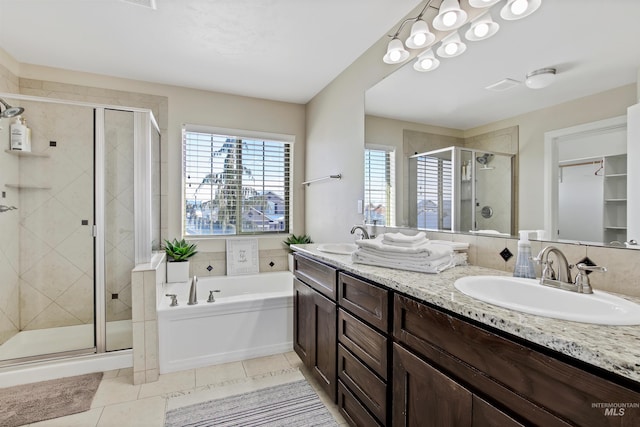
[[10, 111], [484, 160], [449, 190]]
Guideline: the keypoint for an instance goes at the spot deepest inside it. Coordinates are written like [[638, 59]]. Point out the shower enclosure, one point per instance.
[[83, 210], [462, 189]]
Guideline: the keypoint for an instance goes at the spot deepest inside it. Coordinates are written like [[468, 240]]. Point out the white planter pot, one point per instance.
[[291, 262], [177, 272]]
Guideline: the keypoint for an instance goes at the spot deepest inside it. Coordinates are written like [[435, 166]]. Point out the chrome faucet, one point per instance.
[[365, 234], [563, 279], [193, 292]]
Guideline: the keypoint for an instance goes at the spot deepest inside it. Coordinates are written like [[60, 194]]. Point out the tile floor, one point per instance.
[[119, 403]]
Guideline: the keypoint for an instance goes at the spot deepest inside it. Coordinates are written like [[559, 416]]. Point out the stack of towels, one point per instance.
[[414, 253]]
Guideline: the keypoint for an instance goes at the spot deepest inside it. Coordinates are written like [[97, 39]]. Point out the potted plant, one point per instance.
[[295, 240], [178, 254]]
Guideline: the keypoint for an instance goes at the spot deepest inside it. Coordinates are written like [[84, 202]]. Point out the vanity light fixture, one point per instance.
[[541, 78], [450, 16], [482, 28], [451, 46], [420, 36], [396, 53], [426, 62], [518, 9]]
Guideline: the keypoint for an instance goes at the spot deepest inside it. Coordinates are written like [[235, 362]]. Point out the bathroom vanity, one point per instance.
[[407, 349]]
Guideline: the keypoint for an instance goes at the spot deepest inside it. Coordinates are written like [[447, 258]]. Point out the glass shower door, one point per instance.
[[47, 302], [119, 250]]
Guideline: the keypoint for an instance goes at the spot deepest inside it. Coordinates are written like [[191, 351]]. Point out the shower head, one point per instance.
[[485, 159], [10, 111]]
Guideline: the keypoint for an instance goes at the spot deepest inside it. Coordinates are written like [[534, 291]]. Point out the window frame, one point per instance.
[[286, 139], [390, 163]]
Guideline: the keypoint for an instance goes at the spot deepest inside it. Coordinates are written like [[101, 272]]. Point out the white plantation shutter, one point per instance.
[[379, 186], [434, 192], [234, 184]]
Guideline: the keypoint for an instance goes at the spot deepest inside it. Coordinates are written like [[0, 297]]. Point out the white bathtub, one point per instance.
[[251, 317]]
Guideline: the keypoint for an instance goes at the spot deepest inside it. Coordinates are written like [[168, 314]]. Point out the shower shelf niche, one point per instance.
[[25, 153], [27, 187]]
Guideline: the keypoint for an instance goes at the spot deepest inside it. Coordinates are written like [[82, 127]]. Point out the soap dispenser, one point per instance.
[[524, 261]]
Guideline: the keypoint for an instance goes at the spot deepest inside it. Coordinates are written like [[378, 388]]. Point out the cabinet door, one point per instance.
[[487, 415], [323, 317], [302, 308], [314, 335], [423, 396]]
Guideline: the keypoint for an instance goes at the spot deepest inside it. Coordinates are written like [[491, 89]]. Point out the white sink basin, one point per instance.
[[529, 296], [338, 248]]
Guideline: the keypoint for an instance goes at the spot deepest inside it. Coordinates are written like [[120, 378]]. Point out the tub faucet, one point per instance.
[[193, 292], [365, 234]]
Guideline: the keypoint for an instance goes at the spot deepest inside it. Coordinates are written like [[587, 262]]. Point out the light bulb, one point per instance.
[[394, 55], [451, 48], [518, 7], [449, 19], [426, 63], [481, 30], [419, 39]]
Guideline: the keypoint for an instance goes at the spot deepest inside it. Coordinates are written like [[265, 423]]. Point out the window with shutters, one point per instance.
[[434, 192], [235, 184], [379, 186]]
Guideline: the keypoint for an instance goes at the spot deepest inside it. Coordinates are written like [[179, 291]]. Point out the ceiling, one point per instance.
[[285, 50], [593, 44]]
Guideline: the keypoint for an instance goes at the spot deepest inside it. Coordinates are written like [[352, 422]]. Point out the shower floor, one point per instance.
[[65, 338]]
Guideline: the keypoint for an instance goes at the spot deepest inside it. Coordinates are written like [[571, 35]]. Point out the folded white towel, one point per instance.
[[403, 240], [426, 249], [412, 264]]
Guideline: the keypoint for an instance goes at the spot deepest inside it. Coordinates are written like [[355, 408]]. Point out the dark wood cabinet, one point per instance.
[[423, 396], [391, 360], [363, 350], [536, 387], [315, 319]]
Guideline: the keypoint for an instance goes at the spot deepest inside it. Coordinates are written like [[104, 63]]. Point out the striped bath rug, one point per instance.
[[293, 404]]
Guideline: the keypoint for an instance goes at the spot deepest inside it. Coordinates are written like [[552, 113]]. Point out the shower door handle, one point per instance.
[[94, 230]]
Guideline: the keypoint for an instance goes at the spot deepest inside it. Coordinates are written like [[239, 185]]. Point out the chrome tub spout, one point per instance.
[[193, 292]]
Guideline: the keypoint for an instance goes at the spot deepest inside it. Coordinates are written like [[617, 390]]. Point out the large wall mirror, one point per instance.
[[592, 47]]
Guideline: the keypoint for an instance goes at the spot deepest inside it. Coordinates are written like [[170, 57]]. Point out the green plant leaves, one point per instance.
[[179, 250]]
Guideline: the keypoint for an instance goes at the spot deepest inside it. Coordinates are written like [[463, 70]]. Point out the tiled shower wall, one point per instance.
[[9, 223], [56, 262]]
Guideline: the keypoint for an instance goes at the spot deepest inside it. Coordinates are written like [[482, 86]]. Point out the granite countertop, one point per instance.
[[612, 348]]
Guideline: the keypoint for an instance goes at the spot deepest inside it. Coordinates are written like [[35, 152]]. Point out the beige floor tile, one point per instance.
[[266, 364], [293, 359], [219, 373], [110, 374], [83, 419], [115, 390], [140, 413], [127, 372], [167, 383]]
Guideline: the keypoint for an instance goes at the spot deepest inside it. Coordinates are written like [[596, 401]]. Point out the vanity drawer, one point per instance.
[[363, 341], [507, 366], [367, 301], [352, 410], [319, 276], [363, 383]]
